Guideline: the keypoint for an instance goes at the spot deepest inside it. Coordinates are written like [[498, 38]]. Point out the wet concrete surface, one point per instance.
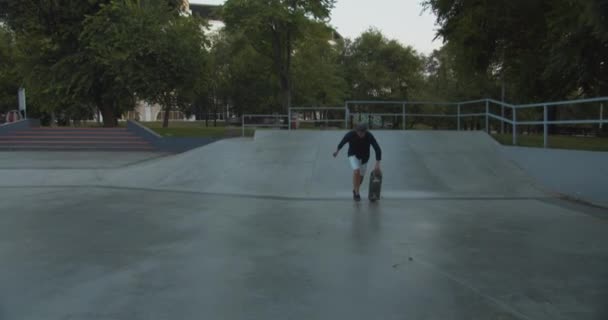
[[72, 160], [94, 253], [266, 229]]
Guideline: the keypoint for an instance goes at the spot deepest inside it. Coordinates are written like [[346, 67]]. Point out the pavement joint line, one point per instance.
[[271, 197]]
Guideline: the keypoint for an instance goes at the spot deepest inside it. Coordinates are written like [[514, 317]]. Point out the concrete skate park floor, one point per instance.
[[72, 160], [174, 245]]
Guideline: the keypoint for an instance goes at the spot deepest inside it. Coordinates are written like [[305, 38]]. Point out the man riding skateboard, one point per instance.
[[360, 140]]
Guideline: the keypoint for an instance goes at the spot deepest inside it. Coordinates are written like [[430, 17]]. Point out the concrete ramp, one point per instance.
[[299, 164]]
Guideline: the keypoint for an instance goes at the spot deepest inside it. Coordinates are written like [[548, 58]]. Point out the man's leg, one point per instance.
[[355, 164], [362, 172], [357, 180]]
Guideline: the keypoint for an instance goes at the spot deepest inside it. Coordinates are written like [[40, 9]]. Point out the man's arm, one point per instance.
[[377, 150], [376, 147], [344, 141]]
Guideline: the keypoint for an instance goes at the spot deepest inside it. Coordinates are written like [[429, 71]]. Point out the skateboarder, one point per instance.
[[359, 141]]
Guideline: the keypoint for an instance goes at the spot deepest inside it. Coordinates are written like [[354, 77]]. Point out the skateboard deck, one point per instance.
[[375, 185]]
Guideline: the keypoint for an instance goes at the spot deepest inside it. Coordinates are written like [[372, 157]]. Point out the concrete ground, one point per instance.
[[221, 232], [72, 160]]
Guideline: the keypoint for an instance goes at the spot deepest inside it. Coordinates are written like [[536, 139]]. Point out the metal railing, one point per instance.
[[267, 121], [484, 107], [294, 115], [513, 121], [405, 114]]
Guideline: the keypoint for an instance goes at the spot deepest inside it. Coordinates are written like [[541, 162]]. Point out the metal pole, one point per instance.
[[546, 127], [488, 116], [514, 126], [502, 123], [22, 106], [458, 117], [601, 116], [404, 118], [502, 106], [243, 124], [346, 115]]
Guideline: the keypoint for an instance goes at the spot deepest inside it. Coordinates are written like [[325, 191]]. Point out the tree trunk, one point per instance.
[[282, 62], [285, 92], [166, 117], [207, 116], [109, 117]]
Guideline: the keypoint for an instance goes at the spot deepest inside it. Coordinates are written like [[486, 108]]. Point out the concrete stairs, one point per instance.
[[73, 139]]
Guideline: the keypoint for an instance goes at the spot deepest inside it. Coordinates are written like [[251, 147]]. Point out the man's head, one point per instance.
[[361, 129]]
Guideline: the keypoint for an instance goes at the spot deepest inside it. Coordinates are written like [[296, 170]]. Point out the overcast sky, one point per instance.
[[403, 20]]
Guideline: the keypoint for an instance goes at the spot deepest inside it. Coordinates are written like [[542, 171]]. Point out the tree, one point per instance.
[[273, 27], [241, 76], [540, 49], [9, 81], [162, 64], [66, 66], [577, 47], [544, 49], [317, 69], [382, 69]]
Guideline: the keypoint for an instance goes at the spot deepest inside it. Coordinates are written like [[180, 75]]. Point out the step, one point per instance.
[[58, 137], [77, 129], [73, 139], [4, 142], [71, 132], [75, 148]]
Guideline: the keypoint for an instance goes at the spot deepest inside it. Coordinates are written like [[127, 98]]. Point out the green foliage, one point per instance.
[[75, 57], [241, 76], [382, 69], [273, 28], [78, 56], [318, 73], [9, 81], [544, 49], [148, 50]]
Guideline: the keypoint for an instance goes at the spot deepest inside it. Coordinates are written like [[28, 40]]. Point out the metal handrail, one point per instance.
[[319, 108], [261, 125], [316, 109], [512, 120], [554, 122], [562, 103]]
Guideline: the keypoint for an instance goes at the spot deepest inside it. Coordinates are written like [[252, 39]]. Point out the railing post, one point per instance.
[[601, 115], [545, 127], [404, 117], [487, 116], [514, 125], [502, 114], [459, 117], [243, 124], [346, 115]]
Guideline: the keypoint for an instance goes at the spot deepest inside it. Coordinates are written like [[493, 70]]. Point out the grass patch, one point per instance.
[[183, 124], [556, 142]]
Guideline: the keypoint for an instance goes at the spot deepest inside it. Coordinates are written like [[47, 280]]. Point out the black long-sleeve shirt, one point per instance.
[[360, 147]]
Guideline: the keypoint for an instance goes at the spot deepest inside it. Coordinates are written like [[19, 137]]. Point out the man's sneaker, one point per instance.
[[356, 196]]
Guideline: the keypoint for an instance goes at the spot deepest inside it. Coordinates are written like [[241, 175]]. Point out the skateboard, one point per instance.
[[375, 185]]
